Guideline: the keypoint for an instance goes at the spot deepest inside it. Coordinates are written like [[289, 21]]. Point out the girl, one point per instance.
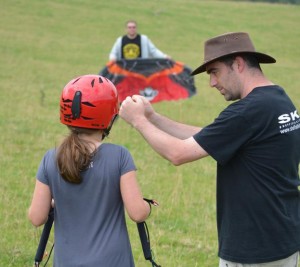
[[89, 181]]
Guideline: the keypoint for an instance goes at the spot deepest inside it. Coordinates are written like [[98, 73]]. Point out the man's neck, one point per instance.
[[131, 36], [254, 80]]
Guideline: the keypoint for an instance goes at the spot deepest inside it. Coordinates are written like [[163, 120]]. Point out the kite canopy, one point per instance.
[[156, 79]]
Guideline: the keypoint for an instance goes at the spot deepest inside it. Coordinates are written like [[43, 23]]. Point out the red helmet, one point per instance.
[[89, 101]]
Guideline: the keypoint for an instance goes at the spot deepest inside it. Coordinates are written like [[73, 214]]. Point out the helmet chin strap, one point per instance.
[[107, 130]]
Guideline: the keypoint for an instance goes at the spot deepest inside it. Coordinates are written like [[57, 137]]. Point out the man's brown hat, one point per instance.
[[230, 44]]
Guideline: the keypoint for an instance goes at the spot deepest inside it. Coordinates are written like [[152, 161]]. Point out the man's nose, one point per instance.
[[212, 81]]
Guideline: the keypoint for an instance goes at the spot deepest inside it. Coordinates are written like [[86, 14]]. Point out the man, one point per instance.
[[256, 143], [134, 45]]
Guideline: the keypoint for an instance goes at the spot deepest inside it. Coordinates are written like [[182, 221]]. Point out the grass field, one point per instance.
[[44, 44]]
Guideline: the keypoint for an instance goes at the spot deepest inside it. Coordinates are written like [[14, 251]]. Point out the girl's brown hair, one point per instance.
[[74, 155]]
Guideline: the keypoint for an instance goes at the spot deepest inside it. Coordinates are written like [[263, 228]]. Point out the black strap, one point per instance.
[[44, 239], [145, 241], [144, 234], [145, 237]]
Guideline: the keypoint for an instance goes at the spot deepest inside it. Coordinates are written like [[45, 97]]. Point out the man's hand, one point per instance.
[[149, 111], [133, 109]]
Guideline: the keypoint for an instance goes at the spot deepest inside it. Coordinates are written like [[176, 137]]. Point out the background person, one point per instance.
[[134, 45], [90, 181], [256, 144]]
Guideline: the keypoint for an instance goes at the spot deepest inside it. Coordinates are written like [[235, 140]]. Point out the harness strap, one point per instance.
[[145, 237], [44, 239]]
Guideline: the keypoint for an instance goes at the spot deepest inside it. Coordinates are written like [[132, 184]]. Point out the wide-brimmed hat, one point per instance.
[[230, 44]]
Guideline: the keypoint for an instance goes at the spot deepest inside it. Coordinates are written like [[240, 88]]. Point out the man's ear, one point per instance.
[[240, 63]]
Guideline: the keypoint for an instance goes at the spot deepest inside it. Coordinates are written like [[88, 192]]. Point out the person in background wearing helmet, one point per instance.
[[256, 144], [134, 45], [90, 181]]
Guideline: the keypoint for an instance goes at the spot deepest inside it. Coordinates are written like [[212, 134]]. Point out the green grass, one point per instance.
[[44, 44]]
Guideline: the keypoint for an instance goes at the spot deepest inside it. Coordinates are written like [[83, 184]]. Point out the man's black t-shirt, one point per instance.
[[131, 48], [256, 143]]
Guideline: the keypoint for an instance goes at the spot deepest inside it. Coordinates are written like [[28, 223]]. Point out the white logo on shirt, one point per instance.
[[289, 122]]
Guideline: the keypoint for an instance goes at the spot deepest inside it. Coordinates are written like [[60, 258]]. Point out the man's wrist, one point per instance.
[[139, 123], [152, 117]]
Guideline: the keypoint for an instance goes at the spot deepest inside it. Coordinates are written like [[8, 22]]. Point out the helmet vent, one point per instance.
[[93, 82], [100, 80], [88, 104], [76, 80], [87, 118], [66, 100]]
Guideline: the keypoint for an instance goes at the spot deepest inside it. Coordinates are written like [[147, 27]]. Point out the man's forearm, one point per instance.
[[159, 140], [176, 150], [176, 129]]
